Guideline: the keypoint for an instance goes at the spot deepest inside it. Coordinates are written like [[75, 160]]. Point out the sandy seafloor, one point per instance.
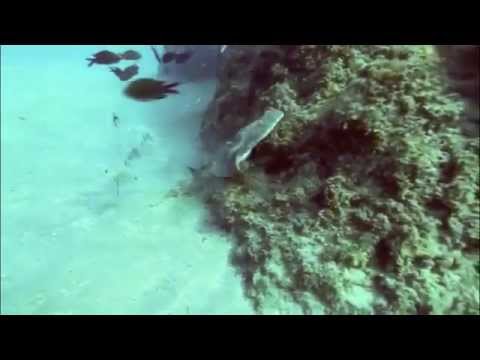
[[69, 243]]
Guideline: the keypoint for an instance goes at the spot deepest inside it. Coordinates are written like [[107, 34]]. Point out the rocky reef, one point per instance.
[[365, 198]]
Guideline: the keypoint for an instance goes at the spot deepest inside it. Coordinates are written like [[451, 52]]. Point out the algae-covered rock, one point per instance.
[[365, 198]]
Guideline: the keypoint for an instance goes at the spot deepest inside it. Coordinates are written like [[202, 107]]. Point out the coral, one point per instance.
[[365, 198]]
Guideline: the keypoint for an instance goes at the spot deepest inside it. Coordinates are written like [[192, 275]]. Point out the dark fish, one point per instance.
[[181, 58], [125, 74], [149, 89], [115, 120], [169, 88], [168, 57], [104, 57], [131, 55]]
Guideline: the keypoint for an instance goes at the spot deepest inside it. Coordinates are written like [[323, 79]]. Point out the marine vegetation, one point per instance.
[[366, 196]]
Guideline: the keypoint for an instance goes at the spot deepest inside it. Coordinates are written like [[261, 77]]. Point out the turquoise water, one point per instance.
[[81, 232], [362, 197]]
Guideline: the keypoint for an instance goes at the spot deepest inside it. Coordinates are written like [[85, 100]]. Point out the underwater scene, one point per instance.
[[240, 180]]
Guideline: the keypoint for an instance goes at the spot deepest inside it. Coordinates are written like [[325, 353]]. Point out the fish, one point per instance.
[[132, 155], [115, 120], [169, 88], [146, 89], [168, 57], [104, 57], [131, 55], [125, 74], [181, 58]]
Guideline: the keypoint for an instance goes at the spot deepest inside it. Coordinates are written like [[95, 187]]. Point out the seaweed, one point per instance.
[[368, 198]]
